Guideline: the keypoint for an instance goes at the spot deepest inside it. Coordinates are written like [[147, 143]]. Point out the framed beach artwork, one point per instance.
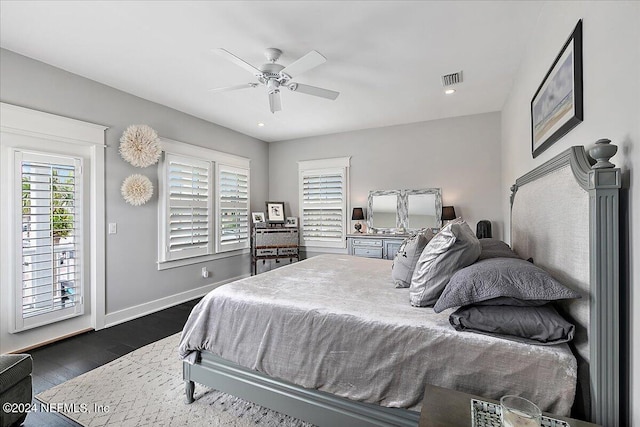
[[556, 107]]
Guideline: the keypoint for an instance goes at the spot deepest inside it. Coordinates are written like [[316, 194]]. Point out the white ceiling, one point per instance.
[[384, 57]]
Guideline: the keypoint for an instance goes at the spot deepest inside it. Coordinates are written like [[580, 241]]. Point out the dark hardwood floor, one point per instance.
[[56, 363]]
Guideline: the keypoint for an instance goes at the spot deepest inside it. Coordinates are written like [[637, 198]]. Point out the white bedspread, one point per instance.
[[336, 323]]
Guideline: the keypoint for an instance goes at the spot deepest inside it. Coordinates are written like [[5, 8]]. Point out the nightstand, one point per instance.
[[442, 407]]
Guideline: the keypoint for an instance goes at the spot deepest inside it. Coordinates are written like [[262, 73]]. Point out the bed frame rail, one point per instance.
[[314, 406]]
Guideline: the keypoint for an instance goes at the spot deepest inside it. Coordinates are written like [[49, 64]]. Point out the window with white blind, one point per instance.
[[323, 202], [188, 207], [50, 247], [203, 204], [233, 208]]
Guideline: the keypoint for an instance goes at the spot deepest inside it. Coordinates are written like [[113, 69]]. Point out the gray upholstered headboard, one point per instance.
[[565, 215]]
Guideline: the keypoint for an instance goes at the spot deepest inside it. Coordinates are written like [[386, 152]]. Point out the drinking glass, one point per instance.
[[519, 412]]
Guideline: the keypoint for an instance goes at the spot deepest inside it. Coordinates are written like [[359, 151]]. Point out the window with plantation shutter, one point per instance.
[[233, 208], [203, 205], [188, 191], [50, 250], [323, 202]]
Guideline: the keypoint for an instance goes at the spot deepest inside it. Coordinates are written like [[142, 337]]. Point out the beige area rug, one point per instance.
[[145, 388]]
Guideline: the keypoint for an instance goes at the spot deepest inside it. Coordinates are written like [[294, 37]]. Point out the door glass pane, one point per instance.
[[50, 238]]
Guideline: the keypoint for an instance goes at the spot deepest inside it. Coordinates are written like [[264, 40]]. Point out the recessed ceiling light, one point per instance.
[[450, 91], [260, 124]]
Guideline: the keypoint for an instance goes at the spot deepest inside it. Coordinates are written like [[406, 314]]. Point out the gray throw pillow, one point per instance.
[[533, 325], [489, 279], [407, 257], [495, 248], [454, 247]]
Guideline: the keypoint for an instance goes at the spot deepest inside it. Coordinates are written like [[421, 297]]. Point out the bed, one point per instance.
[[368, 362]]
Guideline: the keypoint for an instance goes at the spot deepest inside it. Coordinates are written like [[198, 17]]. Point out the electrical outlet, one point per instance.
[[205, 272], [113, 228]]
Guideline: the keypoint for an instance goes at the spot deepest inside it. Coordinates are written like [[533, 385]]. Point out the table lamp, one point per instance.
[[448, 213], [358, 215]]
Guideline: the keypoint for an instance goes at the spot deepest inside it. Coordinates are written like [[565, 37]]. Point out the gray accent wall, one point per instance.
[[132, 277], [611, 36], [459, 155]]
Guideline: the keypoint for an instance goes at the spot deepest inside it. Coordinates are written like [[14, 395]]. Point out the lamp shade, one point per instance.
[[448, 213], [358, 214]]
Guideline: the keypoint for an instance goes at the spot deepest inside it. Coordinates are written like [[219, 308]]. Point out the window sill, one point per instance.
[[165, 265]]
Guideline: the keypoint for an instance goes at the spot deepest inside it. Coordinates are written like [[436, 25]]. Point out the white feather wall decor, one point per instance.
[[136, 189], [140, 146]]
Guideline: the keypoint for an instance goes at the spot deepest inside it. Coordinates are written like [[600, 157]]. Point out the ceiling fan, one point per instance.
[[275, 76]]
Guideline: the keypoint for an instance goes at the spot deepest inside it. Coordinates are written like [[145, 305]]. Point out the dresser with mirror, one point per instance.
[[392, 216]]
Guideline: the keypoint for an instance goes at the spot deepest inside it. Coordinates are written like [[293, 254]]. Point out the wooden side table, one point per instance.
[[442, 407]]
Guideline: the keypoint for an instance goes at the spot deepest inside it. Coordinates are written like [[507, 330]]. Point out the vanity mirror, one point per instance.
[[383, 209], [424, 208], [401, 211]]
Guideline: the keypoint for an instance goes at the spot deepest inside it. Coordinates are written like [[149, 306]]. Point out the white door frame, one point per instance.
[[23, 121]]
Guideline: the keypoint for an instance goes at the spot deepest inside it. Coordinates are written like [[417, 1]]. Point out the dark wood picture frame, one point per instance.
[[275, 212], [557, 105]]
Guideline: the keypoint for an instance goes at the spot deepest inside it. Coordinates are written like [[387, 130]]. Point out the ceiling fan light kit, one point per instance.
[[273, 76]]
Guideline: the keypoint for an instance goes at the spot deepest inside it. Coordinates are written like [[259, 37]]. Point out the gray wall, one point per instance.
[[460, 155], [132, 277], [611, 76]]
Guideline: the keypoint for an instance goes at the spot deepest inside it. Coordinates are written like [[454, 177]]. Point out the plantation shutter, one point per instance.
[[323, 207], [50, 250], [188, 182], [233, 208]]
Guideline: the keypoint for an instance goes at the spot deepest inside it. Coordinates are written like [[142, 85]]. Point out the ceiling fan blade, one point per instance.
[[236, 87], [315, 91], [240, 62], [274, 102], [307, 62]]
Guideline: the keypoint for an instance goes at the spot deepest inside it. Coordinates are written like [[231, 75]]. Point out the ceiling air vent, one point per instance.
[[452, 79]]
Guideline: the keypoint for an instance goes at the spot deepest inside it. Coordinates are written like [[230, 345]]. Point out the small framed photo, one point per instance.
[[275, 212], [292, 222], [257, 217]]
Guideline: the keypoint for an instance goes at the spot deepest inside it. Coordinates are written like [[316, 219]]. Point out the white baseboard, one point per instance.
[[121, 316]]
